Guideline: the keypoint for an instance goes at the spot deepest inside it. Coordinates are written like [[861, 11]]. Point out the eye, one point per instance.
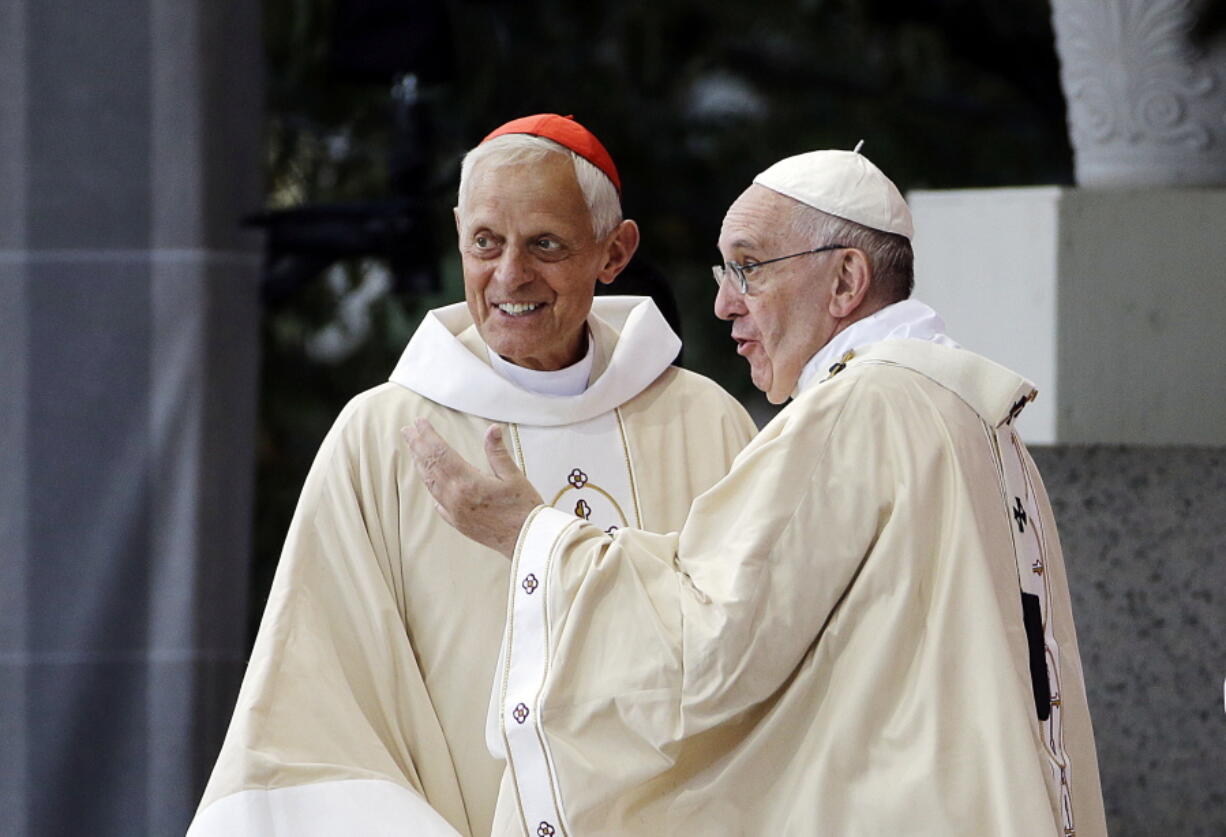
[[749, 267], [484, 245], [548, 248]]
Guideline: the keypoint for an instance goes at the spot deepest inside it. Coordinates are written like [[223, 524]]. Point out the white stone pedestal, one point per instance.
[[1113, 302]]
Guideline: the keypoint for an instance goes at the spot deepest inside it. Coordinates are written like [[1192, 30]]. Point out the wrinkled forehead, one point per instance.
[[503, 174], [757, 220], [544, 186], [489, 160]]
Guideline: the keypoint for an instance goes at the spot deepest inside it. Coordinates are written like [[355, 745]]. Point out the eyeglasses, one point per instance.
[[742, 271]]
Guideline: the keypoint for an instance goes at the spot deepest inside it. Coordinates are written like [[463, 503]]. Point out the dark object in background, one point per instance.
[[305, 241], [1210, 23], [379, 41], [407, 45], [642, 278]]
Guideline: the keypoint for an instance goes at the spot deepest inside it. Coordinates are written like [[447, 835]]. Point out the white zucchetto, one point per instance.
[[841, 183]]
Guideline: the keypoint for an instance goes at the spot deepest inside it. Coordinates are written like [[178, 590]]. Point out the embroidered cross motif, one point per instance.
[[577, 478], [1037, 567], [842, 364], [530, 584], [1019, 404], [582, 509], [520, 714], [544, 830], [1016, 409], [1019, 514]]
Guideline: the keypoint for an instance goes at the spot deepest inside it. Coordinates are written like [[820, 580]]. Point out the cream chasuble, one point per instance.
[[363, 707], [864, 629]]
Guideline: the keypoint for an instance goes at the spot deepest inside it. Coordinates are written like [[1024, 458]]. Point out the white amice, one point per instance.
[[909, 319], [570, 380]]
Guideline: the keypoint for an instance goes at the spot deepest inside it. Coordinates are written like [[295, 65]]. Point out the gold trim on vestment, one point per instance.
[[518, 449], [634, 486], [616, 506]]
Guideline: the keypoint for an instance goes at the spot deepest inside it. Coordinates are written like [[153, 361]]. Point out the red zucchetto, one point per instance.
[[565, 131]]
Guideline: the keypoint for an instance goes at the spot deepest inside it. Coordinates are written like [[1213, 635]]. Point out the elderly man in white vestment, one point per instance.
[[864, 629], [363, 708]]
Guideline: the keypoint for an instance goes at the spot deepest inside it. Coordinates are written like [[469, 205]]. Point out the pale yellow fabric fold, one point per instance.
[[375, 653], [832, 644]]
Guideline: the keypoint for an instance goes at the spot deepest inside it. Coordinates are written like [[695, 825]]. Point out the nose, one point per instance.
[[513, 268], [729, 302]]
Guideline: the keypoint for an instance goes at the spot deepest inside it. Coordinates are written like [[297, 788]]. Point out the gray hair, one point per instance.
[[889, 255], [603, 203]]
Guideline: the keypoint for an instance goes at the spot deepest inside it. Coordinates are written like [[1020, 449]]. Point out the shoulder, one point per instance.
[[376, 415], [916, 394], [676, 386], [888, 410], [867, 385], [390, 399], [861, 399], [684, 383], [377, 404]]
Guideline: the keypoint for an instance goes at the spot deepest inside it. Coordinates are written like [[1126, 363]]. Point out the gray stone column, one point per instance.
[[129, 148], [1144, 531]]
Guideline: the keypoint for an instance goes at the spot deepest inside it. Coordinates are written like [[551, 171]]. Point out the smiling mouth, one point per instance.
[[518, 309]]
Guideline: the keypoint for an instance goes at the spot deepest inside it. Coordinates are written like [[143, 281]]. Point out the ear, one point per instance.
[[455, 211], [623, 243], [852, 281]]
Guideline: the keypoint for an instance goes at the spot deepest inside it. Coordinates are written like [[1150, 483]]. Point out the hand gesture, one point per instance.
[[489, 508]]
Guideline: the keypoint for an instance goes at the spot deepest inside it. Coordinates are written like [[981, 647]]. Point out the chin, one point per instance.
[[782, 386], [499, 345], [761, 378]]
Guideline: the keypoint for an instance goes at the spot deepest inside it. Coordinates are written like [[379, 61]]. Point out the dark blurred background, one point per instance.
[[374, 102]]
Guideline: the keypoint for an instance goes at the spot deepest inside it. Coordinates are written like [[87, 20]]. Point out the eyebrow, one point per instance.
[[741, 244]]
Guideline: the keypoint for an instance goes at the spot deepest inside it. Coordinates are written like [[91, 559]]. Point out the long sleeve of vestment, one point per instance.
[[647, 639], [832, 643], [333, 718], [375, 655]]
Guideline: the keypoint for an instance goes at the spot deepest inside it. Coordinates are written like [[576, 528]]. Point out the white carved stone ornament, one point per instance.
[[1145, 107]]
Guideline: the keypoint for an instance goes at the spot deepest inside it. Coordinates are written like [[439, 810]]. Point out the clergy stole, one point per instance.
[[582, 469], [1036, 595]]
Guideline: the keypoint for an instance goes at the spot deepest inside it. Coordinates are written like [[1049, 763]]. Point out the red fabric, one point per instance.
[[565, 131]]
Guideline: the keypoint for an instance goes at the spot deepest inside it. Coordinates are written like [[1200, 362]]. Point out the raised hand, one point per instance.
[[489, 508]]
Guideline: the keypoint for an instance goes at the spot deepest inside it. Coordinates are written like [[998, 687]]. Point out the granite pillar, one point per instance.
[[1144, 536]]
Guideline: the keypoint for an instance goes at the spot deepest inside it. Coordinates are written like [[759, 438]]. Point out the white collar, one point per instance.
[[628, 330], [909, 318], [570, 380]]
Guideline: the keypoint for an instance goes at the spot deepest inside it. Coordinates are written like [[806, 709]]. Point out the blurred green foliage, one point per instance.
[[692, 99]]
